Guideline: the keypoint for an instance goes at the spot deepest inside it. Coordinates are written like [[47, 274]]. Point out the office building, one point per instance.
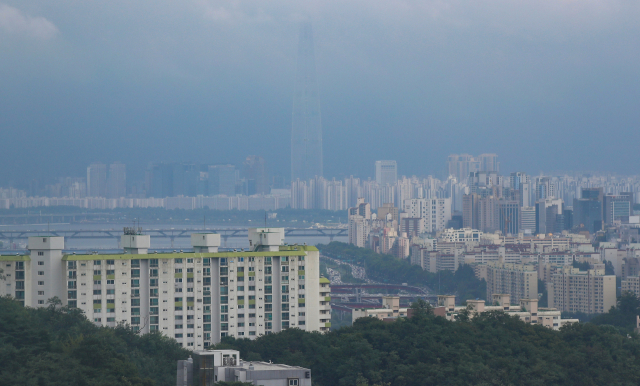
[[196, 298], [573, 290], [549, 216], [97, 180], [509, 217], [617, 207], [528, 219], [117, 181], [306, 130], [520, 281], [222, 180], [386, 173], [254, 172], [587, 213]]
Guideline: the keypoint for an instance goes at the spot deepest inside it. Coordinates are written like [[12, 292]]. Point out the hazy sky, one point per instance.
[[546, 84]]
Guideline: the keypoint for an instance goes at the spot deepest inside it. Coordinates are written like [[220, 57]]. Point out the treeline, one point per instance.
[[387, 269], [59, 346], [490, 349]]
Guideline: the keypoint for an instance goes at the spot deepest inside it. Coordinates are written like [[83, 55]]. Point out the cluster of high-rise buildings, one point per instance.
[[195, 297], [513, 230]]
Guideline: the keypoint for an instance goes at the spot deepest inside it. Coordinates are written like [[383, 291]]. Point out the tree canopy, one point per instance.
[[58, 346], [490, 349]]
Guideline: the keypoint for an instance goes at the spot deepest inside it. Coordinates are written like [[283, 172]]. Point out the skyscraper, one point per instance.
[[97, 180], [117, 182], [386, 172], [306, 129]]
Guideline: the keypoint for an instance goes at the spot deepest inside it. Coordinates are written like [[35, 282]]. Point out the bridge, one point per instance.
[[175, 233]]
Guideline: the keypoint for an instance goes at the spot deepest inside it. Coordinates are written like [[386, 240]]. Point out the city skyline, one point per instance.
[[416, 95]]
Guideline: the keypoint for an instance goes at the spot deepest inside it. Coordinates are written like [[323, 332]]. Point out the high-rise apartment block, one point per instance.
[[196, 298], [386, 173], [254, 172], [97, 180], [460, 165], [433, 213], [520, 281], [117, 180], [591, 291]]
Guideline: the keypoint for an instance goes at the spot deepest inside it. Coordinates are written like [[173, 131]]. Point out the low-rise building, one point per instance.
[[390, 309], [526, 309], [207, 368]]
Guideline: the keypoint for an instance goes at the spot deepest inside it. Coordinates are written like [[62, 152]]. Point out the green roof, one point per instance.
[[15, 258], [298, 248], [324, 280], [188, 255]]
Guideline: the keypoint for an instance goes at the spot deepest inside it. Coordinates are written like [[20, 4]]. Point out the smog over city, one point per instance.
[[235, 192]]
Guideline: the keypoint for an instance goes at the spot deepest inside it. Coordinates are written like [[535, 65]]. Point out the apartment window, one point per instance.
[[111, 292], [97, 272], [97, 292], [178, 270], [179, 280], [40, 273], [40, 253], [178, 336], [293, 381], [111, 319], [40, 293], [40, 262], [110, 262], [179, 261], [40, 283], [109, 282], [40, 301]]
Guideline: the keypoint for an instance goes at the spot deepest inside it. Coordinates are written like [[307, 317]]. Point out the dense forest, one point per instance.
[[490, 349], [58, 346], [387, 269]]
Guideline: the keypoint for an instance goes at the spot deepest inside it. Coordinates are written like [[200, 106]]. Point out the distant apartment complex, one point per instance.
[[591, 291], [519, 281], [196, 297]]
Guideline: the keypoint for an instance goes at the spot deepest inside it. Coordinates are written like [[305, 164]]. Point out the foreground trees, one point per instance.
[[59, 346], [491, 349]]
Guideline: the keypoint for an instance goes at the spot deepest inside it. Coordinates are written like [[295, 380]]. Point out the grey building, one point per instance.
[[209, 367], [306, 130]]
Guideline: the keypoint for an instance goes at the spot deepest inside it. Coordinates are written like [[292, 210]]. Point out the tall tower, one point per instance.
[[306, 129]]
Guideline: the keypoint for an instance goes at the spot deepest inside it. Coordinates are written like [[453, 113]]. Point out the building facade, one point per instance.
[[591, 291], [520, 281], [196, 298]]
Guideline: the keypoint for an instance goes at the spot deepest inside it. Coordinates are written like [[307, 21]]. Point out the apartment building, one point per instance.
[[196, 297], [591, 291], [433, 213], [526, 309], [631, 284], [520, 281]]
